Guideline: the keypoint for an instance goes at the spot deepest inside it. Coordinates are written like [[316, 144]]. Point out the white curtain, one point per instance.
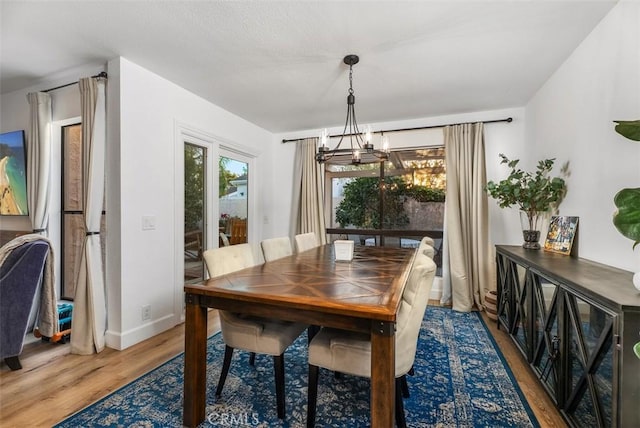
[[308, 192], [39, 160], [468, 250], [89, 311]]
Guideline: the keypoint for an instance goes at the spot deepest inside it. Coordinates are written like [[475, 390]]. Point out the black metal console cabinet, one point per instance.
[[575, 321]]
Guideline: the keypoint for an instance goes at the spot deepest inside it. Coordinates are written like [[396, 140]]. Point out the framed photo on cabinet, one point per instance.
[[562, 231]]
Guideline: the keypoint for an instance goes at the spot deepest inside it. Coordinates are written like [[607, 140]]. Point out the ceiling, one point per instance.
[[279, 64]]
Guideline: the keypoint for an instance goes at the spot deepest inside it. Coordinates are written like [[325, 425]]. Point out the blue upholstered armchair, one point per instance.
[[20, 276]]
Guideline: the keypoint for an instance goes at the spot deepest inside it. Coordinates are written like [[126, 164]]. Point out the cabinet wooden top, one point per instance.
[[593, 279]]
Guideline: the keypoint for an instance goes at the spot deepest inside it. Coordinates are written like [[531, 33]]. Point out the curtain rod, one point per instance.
[[508, 119], [101, 74]]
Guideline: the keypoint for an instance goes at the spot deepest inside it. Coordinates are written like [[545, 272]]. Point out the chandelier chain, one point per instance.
[[351, 79]]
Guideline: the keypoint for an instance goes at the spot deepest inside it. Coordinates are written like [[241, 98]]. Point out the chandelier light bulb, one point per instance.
[[367, 134], [324, 138], [385, 143]]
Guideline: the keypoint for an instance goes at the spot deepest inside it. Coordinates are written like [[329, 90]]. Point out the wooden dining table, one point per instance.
[[311, 287]]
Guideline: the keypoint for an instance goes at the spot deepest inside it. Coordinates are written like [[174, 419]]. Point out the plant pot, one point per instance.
[[530, 222]]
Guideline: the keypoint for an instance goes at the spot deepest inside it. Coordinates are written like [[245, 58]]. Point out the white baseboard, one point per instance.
[[436, 289], [129, 338]]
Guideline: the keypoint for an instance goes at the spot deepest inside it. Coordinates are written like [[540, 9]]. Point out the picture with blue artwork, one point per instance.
[[562, 230], [13, 177]]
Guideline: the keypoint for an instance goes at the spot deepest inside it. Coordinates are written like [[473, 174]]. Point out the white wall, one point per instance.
[[571, 118], [143, 168]]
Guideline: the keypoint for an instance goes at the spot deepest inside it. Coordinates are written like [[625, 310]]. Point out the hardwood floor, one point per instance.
[[539, 401], [54, 384]]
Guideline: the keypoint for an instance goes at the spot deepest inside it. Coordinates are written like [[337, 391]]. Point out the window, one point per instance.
[[72, 224], [394, 203]]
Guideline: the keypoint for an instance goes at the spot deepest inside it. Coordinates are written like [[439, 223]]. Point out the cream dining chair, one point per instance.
[[276, 248], [250, 333], [350, 352], [306, 241], [427, 247]]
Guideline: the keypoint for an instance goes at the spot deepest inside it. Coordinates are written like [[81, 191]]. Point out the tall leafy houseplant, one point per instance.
[[534, 193], [627, 218]]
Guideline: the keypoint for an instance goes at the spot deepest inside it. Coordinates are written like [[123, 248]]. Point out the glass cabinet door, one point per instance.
[[513, 306], [590, 363], [520, 328], [546, 342], [504, 291]]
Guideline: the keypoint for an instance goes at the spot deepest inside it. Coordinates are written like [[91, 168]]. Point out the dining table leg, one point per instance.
[[195, 363], [382, 375]]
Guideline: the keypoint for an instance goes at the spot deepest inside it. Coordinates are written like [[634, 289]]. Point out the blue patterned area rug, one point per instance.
[[460, 380]]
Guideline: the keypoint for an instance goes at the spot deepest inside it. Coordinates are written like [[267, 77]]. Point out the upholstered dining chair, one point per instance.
[[249, 333], [426, 247], [276, 248], [306, 241], [350, 352]]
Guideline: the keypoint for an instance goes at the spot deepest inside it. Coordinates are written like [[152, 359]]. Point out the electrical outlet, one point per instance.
[[148, 222], [146, 312]]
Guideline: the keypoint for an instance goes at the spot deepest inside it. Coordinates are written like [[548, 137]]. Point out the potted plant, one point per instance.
[[535, 193], [626, 219]]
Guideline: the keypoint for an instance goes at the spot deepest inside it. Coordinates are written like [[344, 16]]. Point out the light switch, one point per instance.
[[148, 222]]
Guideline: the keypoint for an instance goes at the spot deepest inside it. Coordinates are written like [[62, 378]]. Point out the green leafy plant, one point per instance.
[[629, 129], [532, 192], [193, 187], [360, 206], [426, 194], [627, 217]]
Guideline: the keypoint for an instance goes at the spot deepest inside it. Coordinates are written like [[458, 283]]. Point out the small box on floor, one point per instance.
[[65, 313]]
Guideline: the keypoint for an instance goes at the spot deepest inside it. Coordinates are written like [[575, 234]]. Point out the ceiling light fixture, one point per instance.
[[362, 149]]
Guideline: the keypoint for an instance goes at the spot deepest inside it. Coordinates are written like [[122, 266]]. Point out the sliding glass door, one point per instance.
[[233, 198], [195, 173]]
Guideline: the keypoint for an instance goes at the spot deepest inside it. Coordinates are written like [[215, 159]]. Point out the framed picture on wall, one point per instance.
[[13, 176], [562, 231]]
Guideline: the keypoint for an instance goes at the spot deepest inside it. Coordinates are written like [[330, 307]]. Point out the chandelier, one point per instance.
[[361, 148]]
